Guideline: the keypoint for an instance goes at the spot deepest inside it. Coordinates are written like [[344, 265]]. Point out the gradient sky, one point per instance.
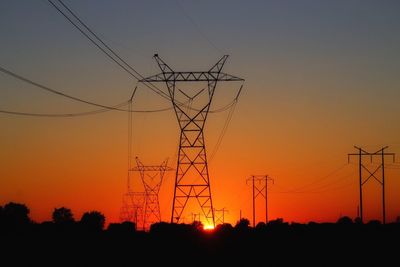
[[321, 77]]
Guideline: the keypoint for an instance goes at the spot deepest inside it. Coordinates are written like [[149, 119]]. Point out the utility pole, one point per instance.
[[260, 188], [371, 174], [191, 105]]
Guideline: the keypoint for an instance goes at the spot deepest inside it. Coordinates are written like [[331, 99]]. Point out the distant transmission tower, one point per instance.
[[132, 208], [152, 178], [362, 168], [192, 176], [196, 217], [260, 187], [220, 215]]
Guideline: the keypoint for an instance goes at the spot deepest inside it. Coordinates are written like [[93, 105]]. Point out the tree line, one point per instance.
[[86, 242]]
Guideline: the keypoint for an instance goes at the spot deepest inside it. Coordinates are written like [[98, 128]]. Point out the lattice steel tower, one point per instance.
[[192, 177], [152, 178]]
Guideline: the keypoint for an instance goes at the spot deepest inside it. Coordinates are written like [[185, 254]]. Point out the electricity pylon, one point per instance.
[[192, 176], [220, 215], [371, 174], [132, 208], [260, 188], [152, 178]]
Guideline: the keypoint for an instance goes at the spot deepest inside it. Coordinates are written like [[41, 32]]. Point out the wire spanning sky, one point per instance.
[[321, 76]]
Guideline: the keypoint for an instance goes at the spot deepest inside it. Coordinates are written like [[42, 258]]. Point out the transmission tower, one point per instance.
[[132, 208], [371, 174], [260, 188], [192, 176], [220, 215], [152, 177], [196, 217]]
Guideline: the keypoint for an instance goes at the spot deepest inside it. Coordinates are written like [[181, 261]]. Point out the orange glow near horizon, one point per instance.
[[72, 168]]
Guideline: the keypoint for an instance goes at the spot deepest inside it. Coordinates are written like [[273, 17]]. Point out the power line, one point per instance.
[[134, 74], [302, 188], [323, 188], [78, 114], [93, 112], [228, 120], [346, 185], [48, 89], [104, 108], [223, 131], [197, 27], [54, 115]]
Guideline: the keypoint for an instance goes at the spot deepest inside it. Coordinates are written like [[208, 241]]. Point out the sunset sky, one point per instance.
[[321, 77]]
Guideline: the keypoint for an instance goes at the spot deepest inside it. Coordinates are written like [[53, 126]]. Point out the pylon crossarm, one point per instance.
[[362, 150], [151, 168], [219, 65], [191, 76], [380, 151]]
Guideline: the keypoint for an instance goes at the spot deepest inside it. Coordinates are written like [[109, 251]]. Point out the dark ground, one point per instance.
[[178, 245], [84, 243]]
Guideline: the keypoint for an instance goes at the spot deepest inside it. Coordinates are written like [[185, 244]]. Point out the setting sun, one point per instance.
[[208, 227]]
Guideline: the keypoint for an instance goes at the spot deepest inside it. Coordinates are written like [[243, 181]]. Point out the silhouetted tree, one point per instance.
[[243, 224], [261, 225], [63, 216], [15, 215], [225, 227], [124, 228], [93, 221], [160, 227], [374, 222], [345, 220], [277, 221], [197, 225], [357, 220]]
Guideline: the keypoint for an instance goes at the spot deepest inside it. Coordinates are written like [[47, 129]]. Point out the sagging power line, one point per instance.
[[85, 30], [104, 108]]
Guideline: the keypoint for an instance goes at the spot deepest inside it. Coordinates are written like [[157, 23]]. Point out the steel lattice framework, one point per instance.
[[152, 177], [192, 176], [220, 215], [132, 208]]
